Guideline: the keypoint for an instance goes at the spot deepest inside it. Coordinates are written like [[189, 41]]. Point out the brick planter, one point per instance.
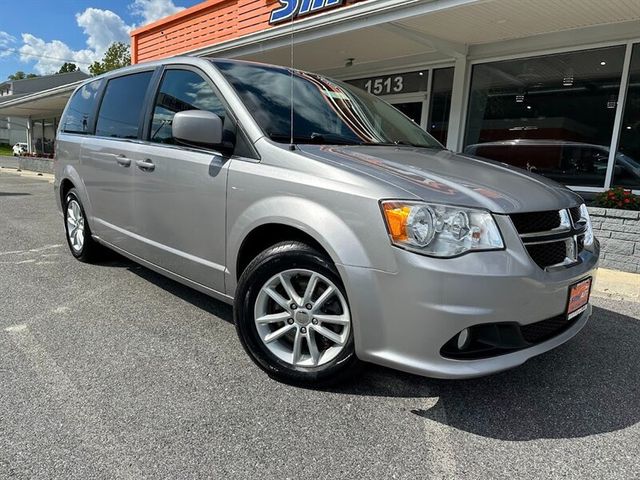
[[619, 235]]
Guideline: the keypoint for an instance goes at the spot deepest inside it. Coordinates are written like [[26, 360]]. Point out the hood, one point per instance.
[[440, 176]]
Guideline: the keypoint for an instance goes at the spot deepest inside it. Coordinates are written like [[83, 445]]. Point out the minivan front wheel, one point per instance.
[[82, 246], [293, 317]]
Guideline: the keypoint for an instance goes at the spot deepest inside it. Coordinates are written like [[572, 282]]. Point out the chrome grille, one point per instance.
[[536, 221], [576, 215], [553, 239]]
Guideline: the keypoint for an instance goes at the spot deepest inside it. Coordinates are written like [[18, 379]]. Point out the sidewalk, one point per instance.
[[617, 285]]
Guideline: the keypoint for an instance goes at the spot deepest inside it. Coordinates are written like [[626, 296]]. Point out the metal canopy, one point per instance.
[[45, 104], [390, 33]]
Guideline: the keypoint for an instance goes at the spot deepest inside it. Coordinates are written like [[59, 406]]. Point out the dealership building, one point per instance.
[[552, 86], [548, 85]]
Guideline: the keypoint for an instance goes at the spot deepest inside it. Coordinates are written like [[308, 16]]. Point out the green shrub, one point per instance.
[[618, 198], [6, 149]]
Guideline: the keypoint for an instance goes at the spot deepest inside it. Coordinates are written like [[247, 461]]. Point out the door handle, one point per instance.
[[146, 165], [122, 160]]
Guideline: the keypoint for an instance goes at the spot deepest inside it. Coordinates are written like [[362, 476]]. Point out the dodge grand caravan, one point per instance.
[[339, 230]]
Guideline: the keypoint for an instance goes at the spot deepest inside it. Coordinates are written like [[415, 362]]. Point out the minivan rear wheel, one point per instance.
[[293, 318], [78, 233]]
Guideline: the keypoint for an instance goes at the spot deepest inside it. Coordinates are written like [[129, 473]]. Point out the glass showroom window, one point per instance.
[[441, 89], [626, 172], [553, 115]]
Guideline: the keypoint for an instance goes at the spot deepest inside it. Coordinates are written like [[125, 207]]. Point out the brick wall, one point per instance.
[[619, 235]]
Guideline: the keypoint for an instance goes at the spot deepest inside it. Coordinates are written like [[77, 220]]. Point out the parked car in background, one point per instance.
[[20, 149], [568, 162], [345, 234]]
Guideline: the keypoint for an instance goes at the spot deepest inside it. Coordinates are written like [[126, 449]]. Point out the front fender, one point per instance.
[[323, 225]]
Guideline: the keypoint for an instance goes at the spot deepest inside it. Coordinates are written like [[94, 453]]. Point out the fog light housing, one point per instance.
[[464, 339]]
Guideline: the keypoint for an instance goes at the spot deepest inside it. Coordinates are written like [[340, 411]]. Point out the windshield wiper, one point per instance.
[[315, 138], [401, 143]]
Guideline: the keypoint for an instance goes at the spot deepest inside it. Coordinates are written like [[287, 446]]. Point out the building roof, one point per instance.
[[45, 82]]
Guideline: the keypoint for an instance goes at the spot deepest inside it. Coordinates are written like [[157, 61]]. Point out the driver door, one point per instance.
[[180, 191]]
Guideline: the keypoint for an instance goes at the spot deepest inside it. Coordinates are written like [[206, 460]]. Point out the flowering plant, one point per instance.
[[618, 198]]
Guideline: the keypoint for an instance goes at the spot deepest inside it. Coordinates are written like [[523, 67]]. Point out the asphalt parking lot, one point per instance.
[[112, 371]]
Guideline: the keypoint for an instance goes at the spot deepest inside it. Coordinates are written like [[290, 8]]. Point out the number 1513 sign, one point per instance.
[[393, 84]]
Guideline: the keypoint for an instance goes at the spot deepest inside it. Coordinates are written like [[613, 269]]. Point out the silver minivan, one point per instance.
[[340, 231]]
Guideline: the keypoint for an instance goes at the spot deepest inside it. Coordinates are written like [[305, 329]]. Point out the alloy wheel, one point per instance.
[[75, 225], [303, 318]]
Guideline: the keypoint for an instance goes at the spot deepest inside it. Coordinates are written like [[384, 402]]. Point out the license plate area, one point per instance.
[[579, 294]]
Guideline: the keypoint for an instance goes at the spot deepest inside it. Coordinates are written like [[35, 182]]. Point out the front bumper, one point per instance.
[[403, 319]]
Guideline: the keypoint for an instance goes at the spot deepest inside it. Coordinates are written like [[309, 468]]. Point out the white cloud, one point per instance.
[[6, 44], [152, 10], [49, 56], [102, 28]]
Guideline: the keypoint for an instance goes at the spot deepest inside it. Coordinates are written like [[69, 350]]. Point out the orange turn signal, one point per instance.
[[396, 216]]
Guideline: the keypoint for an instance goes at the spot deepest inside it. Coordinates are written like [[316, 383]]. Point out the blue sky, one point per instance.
[[39, 35]]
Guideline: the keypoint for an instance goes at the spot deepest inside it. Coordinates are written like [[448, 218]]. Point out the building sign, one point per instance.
[[292, 9], [393, 84]]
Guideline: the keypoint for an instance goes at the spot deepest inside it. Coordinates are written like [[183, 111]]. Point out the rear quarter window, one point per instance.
[[122, 106], [78, 116]]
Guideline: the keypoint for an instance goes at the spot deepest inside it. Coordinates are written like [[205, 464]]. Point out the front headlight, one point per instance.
[[439, 230], [588, 236]]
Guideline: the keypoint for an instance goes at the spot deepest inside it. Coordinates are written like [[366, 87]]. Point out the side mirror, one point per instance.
[[198, 127]]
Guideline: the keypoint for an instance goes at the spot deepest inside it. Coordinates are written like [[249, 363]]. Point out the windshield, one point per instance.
[[324, 111]]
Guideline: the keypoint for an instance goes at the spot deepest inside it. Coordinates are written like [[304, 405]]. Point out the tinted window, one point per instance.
[[122, 106], [78, 117], [556, 113], [181, 90], [324, 110]]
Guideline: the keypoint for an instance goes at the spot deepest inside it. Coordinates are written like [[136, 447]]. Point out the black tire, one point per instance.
[[90, 250], [277, 259]]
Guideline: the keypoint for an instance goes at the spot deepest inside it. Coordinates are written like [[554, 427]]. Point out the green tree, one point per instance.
[[68, 67], [20, 75], [117, 56]]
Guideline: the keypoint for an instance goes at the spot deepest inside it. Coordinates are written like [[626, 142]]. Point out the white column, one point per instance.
[[617, 125], [29, 135], [455, 137]]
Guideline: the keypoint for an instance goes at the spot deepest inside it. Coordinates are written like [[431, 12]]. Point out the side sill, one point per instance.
[[167, 273]]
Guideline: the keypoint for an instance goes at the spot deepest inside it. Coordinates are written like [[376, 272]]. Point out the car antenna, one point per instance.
[[292, 146]]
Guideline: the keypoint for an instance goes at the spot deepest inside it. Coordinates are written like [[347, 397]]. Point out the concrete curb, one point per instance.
[[48, 177], [617, 285]]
